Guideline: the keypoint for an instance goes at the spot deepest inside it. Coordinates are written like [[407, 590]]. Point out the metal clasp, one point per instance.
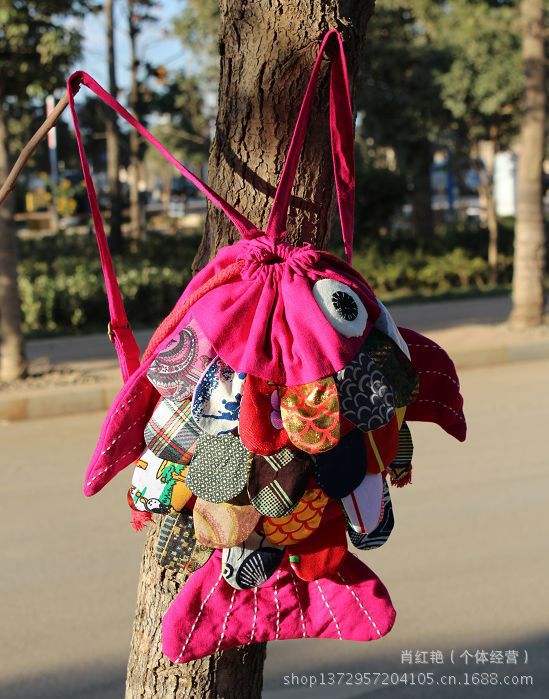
[[112, 331]]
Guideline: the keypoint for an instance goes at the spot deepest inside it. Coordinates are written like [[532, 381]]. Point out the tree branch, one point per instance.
[[31, 146]]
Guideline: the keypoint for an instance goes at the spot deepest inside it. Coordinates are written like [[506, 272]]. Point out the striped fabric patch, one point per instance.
[[172, 432], [177, 548], [364, 506], [381, 533], [176, 541], [401, 467], [276, 483]]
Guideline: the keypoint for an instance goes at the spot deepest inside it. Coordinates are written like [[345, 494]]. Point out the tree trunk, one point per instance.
[[422, 211], [267, 53], [113, 141], [136, 210], [529, 263], [13, 364], [486, 152]]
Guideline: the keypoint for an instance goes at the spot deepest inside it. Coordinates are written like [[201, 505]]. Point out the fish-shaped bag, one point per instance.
[[268, 416]]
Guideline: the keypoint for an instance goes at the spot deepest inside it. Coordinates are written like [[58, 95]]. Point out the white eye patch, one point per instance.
[[342, 307]]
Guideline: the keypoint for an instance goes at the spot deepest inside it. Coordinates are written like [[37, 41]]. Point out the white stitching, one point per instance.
[[109, 466], [353, 593], [135, 449], [440, 373], [275, 593], [330, 610], [198, 615], [299, 605], [111, 445], [255, 616], [226, 621], [437, 402], [435, 347], [124, 405]]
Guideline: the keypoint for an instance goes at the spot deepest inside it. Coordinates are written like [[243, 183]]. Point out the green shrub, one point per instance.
[[62, 288], [414, 272]]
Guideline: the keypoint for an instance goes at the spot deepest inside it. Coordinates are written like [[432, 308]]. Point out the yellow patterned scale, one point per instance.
[[301, 523], [310, 415]]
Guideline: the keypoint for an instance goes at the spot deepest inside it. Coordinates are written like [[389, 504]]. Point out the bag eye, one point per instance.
[[342, 307]]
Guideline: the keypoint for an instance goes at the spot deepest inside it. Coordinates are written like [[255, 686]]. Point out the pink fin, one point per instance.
[[439, 399], [209, 615], [121, 440]]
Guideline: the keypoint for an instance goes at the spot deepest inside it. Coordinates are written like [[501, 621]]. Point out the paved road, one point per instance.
[[94, 350], [466, 566]]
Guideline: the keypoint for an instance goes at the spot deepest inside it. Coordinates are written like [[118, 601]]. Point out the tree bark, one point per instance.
[[113, 141], [529, 260], [13, 364], [267, 53]]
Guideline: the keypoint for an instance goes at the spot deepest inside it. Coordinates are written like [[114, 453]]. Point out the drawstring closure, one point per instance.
[[270, 258]]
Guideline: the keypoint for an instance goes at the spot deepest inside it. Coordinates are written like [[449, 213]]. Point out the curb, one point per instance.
[[498, 355], [99, 396], [61, 401]]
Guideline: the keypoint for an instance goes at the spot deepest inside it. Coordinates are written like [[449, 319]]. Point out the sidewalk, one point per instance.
[[86, 376]]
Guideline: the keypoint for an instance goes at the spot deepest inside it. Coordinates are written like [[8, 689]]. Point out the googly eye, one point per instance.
[[342, 307]]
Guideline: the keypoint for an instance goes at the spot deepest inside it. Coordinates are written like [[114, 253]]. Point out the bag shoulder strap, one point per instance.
[[119, 328], [341, 134], [342, 143]]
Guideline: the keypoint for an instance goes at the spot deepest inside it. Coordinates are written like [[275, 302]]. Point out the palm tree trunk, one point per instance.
[[13, 364], [528, 291], [265, 65]]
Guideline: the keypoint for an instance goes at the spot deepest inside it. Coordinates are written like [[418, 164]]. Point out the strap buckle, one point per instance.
[[112, 331]]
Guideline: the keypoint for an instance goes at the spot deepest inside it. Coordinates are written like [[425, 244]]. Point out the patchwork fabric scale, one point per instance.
[[269, 418]]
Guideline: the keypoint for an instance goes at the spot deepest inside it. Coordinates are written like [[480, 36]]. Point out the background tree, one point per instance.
[[265, 66], [401, 98], [113, 139], [198, 29], [184, 130], [37, 46], [139, 13], [482, 86], [528, 277], [181, 125]]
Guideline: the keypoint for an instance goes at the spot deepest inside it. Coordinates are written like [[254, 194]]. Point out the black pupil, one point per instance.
[[345, 305]]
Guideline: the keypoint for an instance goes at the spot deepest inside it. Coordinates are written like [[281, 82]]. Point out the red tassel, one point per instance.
[[140, 519], [403, 480]]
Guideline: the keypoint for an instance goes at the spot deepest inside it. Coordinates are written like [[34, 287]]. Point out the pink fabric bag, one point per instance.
[[208, 615], [292, 318], [263, 319]]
